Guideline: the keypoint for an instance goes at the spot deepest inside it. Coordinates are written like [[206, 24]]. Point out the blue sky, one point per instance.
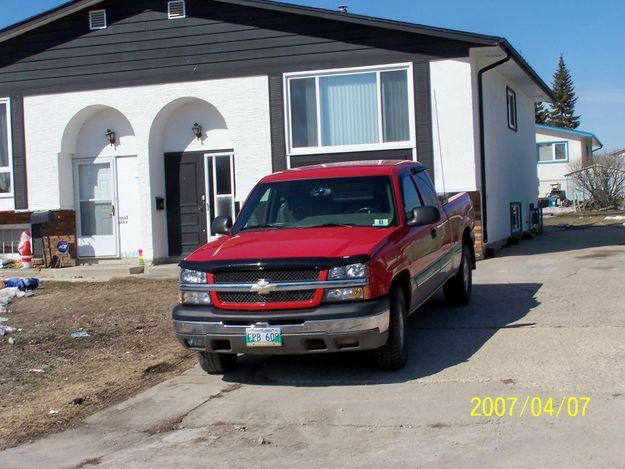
[[590, 34]]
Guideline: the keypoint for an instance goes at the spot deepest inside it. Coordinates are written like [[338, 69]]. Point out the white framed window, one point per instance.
[[367, 108], [6, 149], [176, 9], [553, 152], [97, 20], [10, 237], [512, 110]]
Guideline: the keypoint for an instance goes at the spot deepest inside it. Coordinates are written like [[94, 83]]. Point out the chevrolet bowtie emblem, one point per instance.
[[263, 287]]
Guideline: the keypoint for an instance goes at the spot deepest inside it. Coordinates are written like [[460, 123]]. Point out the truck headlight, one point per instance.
[[191, 276], [345, 294], [187, 297], [346, 272]]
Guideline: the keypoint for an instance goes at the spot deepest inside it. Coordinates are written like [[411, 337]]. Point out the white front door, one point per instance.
[[95, 195]]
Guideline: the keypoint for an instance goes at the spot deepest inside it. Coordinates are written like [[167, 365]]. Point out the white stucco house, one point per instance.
[[132, 125], [557, 150]]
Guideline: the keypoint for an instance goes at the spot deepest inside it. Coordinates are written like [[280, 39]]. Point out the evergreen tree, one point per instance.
[[562, 112], [542, 113]]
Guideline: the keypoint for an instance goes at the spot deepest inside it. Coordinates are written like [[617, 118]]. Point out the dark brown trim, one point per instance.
[[20, 190], [309, 160], [423, 115], [470, 39], [276, 114]]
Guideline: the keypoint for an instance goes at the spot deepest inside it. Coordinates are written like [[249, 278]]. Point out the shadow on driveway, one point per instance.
[[563, 240], [438, 337]]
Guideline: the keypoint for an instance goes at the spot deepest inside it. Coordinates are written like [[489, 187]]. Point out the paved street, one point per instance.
[[547, 320]]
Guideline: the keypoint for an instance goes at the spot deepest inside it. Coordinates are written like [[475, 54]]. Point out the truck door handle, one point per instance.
[[433, 232]]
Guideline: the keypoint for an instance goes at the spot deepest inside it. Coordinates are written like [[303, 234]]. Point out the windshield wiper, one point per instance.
[[331, 225], [265, 226]]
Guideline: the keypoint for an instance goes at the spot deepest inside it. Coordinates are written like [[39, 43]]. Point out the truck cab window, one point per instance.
[[426, 188], [410, 197]]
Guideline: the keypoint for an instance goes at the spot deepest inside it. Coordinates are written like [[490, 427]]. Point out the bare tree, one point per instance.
[[601, 184]]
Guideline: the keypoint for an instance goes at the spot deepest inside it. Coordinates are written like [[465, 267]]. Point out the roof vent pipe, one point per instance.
[[343, 8]]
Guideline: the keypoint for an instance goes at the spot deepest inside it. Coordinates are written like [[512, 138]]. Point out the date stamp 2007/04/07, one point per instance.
[[531, 406]]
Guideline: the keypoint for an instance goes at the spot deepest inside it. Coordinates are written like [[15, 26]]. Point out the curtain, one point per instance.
[[349, 109], [395, 106], [304, 112]]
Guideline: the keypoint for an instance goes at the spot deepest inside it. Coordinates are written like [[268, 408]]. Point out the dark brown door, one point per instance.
[[186, 202]]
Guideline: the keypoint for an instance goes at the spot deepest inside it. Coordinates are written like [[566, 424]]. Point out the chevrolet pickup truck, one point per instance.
[[328, 258]]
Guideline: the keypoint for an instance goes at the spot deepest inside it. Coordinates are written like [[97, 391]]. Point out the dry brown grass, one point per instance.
[[590, 219], [131, 348]]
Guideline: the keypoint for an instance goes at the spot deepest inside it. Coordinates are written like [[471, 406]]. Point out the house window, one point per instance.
[[553, 152], [6, 150], [512, 114], [10, 236], [97, 19], [341, 111], [176, 9]]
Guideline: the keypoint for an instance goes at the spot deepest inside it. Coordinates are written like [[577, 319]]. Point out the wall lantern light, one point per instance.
[[197, 130], [110, 136]]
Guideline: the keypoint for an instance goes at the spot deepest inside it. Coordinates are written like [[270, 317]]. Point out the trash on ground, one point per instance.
[[53, 411], [10, 264], [79, 334], [22, 283], [5, 330], [36, 370], [12, 341], [15, 288]]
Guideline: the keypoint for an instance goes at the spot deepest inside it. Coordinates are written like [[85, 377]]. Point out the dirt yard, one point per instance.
[[50, 381], [586, 219]]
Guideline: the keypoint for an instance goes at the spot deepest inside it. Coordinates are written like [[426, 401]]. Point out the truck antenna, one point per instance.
[[440, 147]]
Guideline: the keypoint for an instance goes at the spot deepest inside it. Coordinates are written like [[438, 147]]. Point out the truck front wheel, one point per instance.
[[457, 290], [216, 363], [392, 356]]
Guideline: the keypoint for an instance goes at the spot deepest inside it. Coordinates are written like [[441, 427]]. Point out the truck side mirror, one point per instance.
[[221, 225], [422, 216]]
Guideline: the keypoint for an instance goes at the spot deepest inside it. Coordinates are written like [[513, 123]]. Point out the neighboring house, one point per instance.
[[136, 123], [557, 150]]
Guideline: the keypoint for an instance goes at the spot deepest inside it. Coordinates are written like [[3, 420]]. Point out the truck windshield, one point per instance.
[[350, 201]]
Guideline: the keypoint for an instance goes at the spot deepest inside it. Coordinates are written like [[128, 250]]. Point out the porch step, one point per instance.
[[84, 273], [107, 261]]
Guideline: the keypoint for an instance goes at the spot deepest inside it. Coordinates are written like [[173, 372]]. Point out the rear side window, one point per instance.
[[410, 196], [426, 188]]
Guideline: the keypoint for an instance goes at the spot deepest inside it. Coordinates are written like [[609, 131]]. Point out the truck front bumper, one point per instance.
[[327, 328]]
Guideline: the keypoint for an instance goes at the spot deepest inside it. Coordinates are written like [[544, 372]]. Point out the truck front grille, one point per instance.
[[273, 297], [273, 276]]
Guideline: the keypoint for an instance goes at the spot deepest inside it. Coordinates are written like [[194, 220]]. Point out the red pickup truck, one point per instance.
[[325, 258]]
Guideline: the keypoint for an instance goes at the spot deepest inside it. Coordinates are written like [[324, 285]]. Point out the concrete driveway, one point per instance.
[[547, 320]]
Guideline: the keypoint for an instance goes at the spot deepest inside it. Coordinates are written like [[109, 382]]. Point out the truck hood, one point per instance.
[[294, 243]]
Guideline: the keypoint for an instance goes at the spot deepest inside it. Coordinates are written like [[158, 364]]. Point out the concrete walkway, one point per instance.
[[97, 272], [547, 321]]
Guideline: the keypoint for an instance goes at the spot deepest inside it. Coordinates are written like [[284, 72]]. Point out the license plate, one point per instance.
[[263, 337]]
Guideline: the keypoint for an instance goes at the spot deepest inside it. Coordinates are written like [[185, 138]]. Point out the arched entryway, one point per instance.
[[191, 138], [98, 173]]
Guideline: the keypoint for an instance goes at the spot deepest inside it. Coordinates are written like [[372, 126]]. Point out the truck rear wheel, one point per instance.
[[216, 363], [457, 290], [392, 356]]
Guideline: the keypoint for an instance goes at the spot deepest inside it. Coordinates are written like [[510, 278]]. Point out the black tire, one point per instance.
[[392, 356], [216, 363], [457, 290]]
